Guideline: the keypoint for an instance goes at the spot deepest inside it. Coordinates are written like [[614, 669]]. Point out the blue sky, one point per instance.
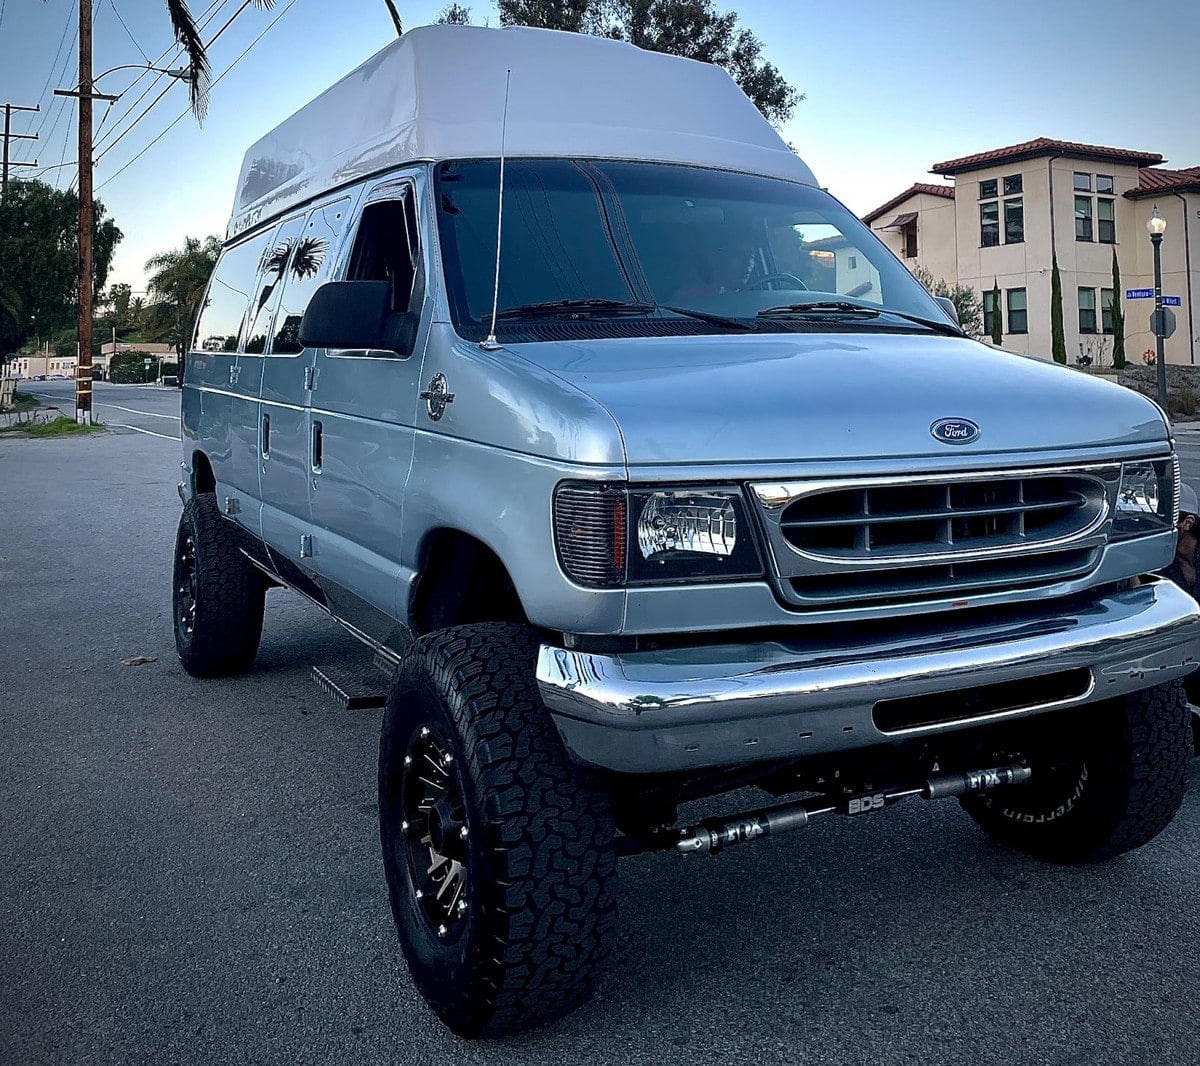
[[891, 89]]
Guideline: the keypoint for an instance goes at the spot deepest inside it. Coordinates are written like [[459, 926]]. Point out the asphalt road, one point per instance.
[[146, 409], [191, 870]]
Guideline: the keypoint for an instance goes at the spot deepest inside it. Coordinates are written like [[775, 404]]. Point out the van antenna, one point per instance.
[[491, 344]]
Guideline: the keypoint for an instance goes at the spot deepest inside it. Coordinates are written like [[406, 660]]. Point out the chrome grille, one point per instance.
[[876, 521], [889, 540]]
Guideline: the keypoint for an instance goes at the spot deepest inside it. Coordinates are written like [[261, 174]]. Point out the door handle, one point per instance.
[[265, 433], [318, 446]]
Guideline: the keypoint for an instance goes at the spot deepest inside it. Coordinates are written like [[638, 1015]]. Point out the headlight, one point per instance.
[[1146, 499], [608, 536]]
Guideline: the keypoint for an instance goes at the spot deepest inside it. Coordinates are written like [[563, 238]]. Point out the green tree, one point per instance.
[[39, 259], [1058, 339], [455, 15], [176, 282], [965, 299], [1118, 317], [694, 29], [997, 315]]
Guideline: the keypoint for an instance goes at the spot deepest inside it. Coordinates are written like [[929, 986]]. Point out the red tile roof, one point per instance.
[[920, 187], [1041, 146], [1152, 180]]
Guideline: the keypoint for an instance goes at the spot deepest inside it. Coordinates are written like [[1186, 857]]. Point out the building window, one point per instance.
[[1083, 182], [1014, 221], [1106, 309], [991, 308], [1012, 184], [987, 189], [1087, 310], [1018, 312], [1104, 183], [1106, 221], [852, 260], [989, 224], [908, 234], [1083, 218]]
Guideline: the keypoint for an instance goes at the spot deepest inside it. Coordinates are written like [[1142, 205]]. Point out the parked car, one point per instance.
[[693, 488]]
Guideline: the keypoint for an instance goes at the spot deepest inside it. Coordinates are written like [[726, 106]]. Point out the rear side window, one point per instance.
[[308, 267], [271, 270], [386, 248], [228, 298]]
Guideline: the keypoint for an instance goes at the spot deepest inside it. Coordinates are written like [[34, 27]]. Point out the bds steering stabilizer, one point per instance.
[[715, 834]]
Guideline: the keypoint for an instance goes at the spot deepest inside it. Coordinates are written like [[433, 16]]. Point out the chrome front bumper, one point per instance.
[[680, 709]]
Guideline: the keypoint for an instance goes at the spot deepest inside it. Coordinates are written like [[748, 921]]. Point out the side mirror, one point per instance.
[[357, 315], [947, 305]]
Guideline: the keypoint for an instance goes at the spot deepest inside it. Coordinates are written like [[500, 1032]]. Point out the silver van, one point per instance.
[[543, 365]]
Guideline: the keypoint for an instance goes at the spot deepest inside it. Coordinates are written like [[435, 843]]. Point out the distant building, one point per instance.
[[1006, 213], [29, 366]]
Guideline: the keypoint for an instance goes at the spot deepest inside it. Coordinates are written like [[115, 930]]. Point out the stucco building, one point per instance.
[[1002, 216]]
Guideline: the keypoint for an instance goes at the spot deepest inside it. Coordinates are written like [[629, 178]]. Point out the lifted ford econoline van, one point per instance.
[[690, 488]]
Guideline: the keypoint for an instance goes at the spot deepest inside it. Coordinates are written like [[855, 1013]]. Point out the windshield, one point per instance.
[[676, 238]]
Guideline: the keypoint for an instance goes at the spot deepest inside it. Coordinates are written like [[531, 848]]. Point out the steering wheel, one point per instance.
[[765, 282]]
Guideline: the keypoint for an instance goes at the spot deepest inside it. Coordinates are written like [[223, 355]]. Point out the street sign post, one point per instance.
[[1165, 326]]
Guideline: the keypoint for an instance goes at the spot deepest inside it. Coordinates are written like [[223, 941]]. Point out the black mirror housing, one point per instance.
[[357, 315]]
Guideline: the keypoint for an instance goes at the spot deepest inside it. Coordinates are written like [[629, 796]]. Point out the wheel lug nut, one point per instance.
[[462, 906], [441, 930], [420, 894], [463, 832], [447, 758], [424, 731], [408, 760], [404, 827]]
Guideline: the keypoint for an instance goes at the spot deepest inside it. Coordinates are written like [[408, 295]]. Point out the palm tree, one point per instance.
[[177, 279]]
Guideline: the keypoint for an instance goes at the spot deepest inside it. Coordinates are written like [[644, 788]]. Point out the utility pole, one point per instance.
[[83, 365], [8, 136]]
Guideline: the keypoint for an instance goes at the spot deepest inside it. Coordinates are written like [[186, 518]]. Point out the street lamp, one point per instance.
[[1156, 227]]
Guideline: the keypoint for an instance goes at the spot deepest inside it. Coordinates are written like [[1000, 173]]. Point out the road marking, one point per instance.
[[133, 410], [148, 432]]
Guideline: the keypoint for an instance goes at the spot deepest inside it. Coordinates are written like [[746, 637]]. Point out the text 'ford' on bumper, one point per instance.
[[676, 709]]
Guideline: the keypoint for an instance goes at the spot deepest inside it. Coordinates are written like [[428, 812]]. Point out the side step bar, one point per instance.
[[354, 688]]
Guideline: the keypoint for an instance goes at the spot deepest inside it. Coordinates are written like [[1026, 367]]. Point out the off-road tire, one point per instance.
[[538, 835], [220, 636], [1109, 784]]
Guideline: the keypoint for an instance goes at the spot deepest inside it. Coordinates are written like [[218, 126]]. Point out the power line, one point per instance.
[[167, 88], [52, 77], [211, 12], [113, 5], [282, 11]]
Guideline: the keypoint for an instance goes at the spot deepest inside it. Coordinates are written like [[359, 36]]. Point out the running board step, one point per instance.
[[355, 688]]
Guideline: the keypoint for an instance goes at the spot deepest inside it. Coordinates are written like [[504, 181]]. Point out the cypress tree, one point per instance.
[[1118, 318], [997, 321], [1058, 339]]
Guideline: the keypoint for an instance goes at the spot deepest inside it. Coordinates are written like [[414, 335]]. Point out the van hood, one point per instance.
[[804, 397]]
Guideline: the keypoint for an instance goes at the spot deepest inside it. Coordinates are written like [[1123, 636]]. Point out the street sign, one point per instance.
[[1172, 301], [145, 362], [1139, 294], [1165, 328]]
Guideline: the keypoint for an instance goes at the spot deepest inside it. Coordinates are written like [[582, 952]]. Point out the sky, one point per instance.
[[890, 89]]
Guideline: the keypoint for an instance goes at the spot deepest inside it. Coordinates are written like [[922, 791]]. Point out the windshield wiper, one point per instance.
[[599, 306], [590, 306], [821, 308]]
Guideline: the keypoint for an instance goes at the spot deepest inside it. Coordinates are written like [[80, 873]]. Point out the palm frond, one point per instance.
[[187, 35]]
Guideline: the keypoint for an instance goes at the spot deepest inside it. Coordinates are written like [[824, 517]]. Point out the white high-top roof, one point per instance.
[[438, 93]]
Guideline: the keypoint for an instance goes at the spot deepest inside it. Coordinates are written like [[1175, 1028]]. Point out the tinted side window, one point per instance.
[[386, 248], [271, 270], [228, 296], [311, 262]]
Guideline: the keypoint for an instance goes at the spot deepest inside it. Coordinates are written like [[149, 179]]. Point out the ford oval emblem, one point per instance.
[[955, 430]]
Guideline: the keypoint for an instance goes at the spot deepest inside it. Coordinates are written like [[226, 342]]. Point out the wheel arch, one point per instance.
[[203, 479], [460, 580]]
